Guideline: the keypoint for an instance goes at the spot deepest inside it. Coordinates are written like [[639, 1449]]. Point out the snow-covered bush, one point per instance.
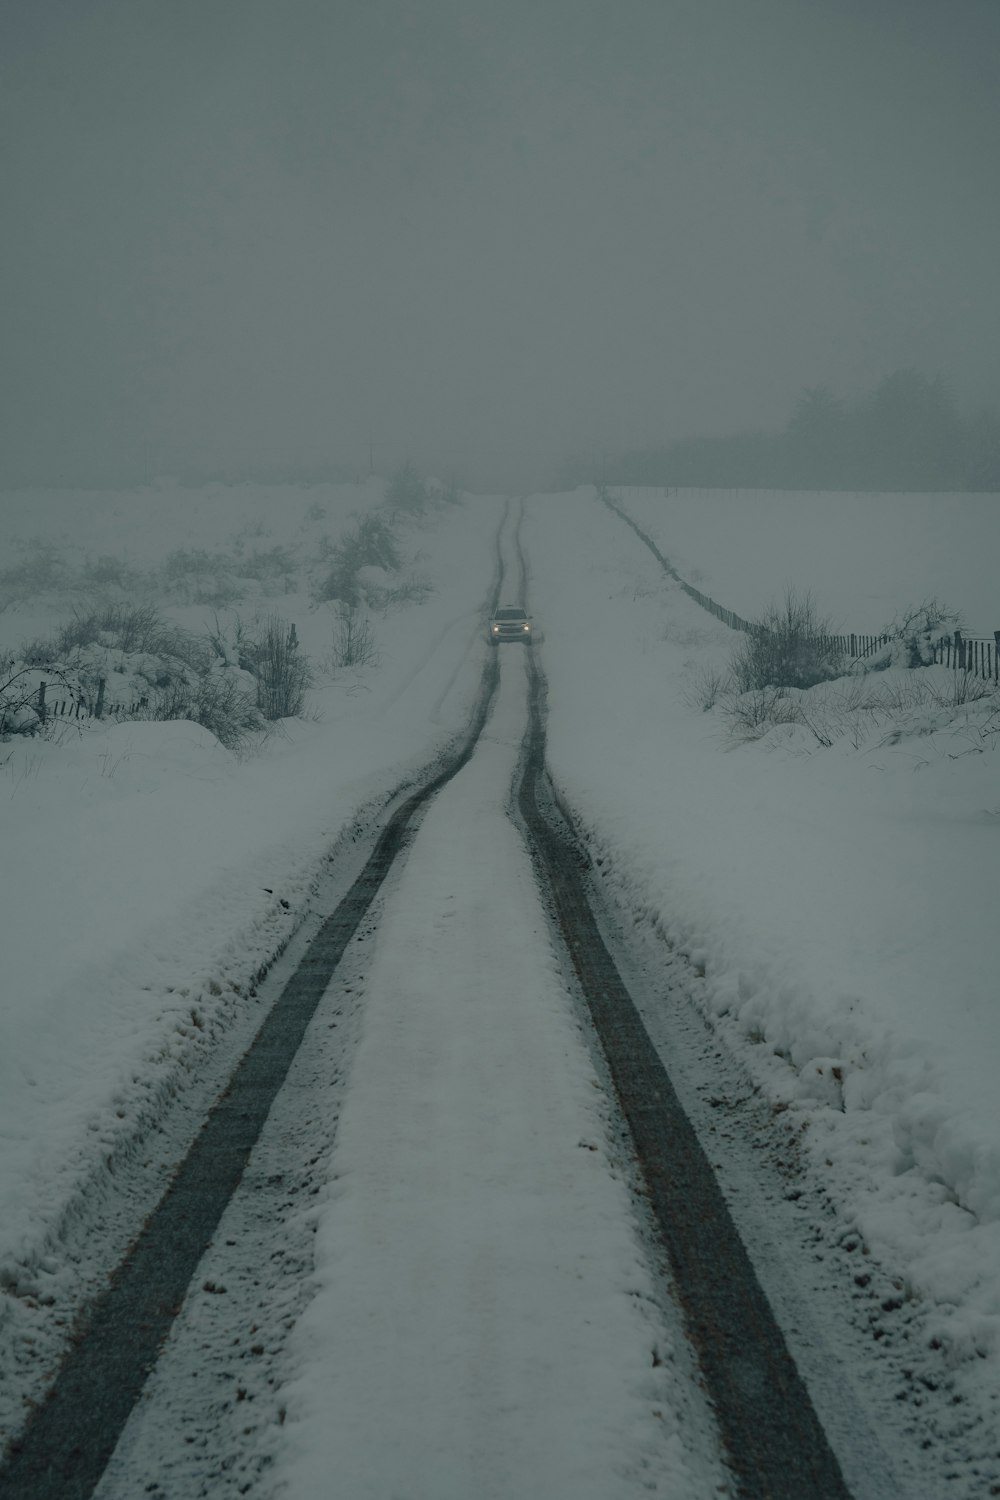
[[407, 491], [22, 707], [232, 681], [108, 572], [788, 646], [271, 564], [912, 636], [132, 629], [201, 577], [267, 655], [867, 708], [18, 699], [220, 578], [221, 701], [448, 492], [751, 714], [383, 592], [195, 560], [370, 543], [42, 570]]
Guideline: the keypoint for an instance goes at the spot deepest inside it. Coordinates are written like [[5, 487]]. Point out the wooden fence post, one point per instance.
[[99, 709], [996, 656], [959, 651], [41, 701]]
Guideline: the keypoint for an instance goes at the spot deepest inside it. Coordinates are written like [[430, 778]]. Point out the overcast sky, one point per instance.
[[481, 233]]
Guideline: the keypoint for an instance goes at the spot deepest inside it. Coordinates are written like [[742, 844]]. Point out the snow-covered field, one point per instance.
[[149, 875], [864, 558], [837, 905], [835, 902]]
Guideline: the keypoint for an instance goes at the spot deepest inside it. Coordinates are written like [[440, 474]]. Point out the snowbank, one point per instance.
[[149, 875], [836, 906]]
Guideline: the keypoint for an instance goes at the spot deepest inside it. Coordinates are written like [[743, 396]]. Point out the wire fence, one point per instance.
[[978, 655], [72, 704]]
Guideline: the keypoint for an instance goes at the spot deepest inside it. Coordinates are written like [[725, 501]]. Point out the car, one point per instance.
[[509, 624]]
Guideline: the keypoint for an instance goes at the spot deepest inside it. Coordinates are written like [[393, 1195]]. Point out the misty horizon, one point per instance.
[[244, 240]]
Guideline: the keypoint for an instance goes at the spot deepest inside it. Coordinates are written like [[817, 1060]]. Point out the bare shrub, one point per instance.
[[195, 560], [966, 687], [203, 577], [232, 715], [20, 704], [353, 640], [18, 700], [705, 688], [406, 490], [341, 582], [39, 652], [749, 715], [375, 544], [411, 590], [42, 570], [271, 563], [789, 646], [108, 572], [131, 628], [217, 701], [282, 670], [449, 493]]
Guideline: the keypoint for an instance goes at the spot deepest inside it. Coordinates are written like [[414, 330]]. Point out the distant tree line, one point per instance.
[[905, 436]]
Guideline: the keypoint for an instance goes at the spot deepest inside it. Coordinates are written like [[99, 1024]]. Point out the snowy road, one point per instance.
[[480, 1317], [443, 1271], [475, 1313], [480, 1278], [466, 1305]]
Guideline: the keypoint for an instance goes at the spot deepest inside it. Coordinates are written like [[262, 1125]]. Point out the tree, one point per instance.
[[407, 491], [817, 439], [911, 436], [981, 452]]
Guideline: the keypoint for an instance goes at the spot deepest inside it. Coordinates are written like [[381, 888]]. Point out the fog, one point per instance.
[[243, 237]]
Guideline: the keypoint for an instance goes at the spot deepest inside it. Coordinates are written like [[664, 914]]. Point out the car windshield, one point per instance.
[[510, 614]]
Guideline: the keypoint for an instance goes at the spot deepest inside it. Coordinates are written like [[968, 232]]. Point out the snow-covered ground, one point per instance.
[[834, 903], [837, 905], [865, 558], [149, 875]]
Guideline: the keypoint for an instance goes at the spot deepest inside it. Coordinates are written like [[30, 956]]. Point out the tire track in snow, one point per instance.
[[776, 1445], [69, 1438]]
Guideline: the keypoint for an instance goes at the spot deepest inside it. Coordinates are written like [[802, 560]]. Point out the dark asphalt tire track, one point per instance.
[[776, 1447], [67, 1443]]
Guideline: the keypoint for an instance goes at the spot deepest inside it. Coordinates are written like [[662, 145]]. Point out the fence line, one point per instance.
[[977, 654], [75, 706]]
